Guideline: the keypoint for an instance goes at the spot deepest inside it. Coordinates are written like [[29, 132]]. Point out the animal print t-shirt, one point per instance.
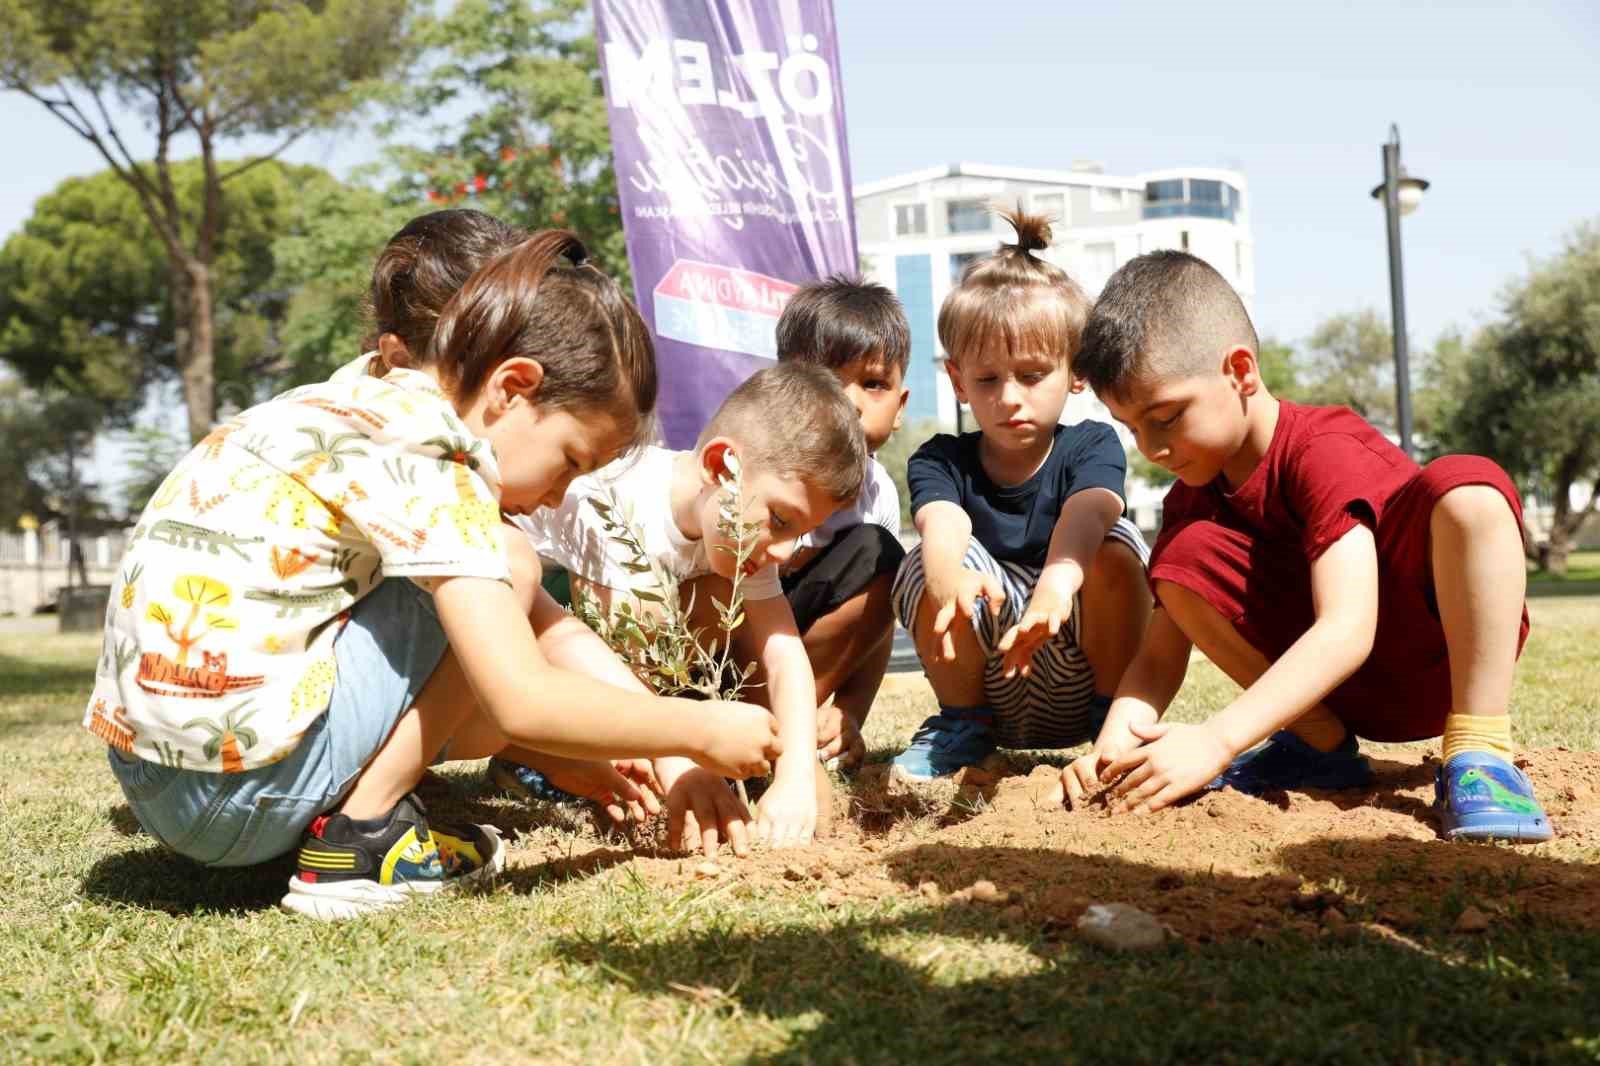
[[243, 568]]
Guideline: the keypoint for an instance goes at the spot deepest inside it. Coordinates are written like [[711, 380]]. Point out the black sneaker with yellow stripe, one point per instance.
[[348, 867]]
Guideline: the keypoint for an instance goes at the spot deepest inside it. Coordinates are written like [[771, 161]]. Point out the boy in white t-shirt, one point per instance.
[[795, 440], [838, 582]]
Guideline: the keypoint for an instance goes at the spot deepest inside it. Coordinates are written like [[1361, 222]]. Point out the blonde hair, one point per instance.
[[1014, 301]]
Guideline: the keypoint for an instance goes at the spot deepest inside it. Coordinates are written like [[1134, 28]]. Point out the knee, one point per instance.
[[1117, 568], [1187, 608], [1473, 509]]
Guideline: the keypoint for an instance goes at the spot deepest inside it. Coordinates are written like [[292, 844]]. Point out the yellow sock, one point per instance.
[[1477, 732], [1319, 728]]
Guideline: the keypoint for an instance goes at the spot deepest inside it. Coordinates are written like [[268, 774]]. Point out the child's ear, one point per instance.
[[900, 412], [719, 461], [517, 378], [1243, 373], [392, 353]]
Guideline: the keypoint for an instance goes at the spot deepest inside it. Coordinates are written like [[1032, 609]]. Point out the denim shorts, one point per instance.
[[386, 653]]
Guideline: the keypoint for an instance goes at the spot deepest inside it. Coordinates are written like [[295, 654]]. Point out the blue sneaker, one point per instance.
[[528, 784], [1480, 796], [944, 744], [1285, 761]]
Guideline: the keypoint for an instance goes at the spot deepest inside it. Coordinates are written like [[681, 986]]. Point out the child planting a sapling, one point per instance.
[[788, 443]]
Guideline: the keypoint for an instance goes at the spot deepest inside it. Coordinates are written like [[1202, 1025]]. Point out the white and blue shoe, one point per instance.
[[945, 744]]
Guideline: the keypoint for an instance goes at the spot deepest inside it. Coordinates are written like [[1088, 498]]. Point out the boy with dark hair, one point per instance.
[[838, 580], [1348, 591], [793, 441]]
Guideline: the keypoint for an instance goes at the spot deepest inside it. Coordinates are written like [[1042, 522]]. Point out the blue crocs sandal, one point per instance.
[[1285, 761], [1480, 796], [529, 785], [943, 745]]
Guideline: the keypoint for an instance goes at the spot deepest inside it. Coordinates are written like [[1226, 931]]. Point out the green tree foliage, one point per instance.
[[44, 451], [1526, 389], [213, 71], [511, 96], [1349, 360], [84, 294], [1279, 369], [325, 266]]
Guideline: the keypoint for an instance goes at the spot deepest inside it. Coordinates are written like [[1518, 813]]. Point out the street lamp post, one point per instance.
[[1400, 193]]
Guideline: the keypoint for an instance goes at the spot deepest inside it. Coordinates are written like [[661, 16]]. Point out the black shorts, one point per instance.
[[841, 571]]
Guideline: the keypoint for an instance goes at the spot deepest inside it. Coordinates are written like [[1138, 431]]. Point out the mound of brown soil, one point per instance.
[[1220, 866]]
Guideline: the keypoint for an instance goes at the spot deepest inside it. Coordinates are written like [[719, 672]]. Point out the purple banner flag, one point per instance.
[[727, 127]]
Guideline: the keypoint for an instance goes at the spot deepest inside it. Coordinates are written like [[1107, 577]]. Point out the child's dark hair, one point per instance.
[[839, 320], [423, 265], [541, 301], [1014, 301], [794, 419], [1165, 314]]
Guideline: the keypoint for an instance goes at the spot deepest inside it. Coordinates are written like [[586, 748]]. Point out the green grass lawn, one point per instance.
[[114, 951], [1581, 566]]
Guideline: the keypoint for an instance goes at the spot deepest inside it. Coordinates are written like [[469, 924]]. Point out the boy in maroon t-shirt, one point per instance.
[[1348, 591]]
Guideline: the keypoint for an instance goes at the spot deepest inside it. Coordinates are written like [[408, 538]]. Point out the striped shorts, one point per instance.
[[1049, 708]]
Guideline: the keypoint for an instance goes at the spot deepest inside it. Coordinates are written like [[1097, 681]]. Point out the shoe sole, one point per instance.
[[990, 762], [1514, 830], [340, 900]]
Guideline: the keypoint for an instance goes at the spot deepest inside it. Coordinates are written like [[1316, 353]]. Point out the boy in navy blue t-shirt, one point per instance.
[[1024, 515]]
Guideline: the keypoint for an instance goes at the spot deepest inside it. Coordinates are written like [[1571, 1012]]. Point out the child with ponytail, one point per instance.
[[1027, 597]]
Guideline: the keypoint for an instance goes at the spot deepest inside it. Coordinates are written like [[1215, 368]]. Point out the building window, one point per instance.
[[1156, 192], [1100, 259], [1052, 205], [1206, 195], [959, 261], [910, 220], [969, 216], [1103, 198]]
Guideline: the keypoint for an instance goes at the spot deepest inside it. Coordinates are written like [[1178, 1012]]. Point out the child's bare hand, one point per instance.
[[740, 739], [1046, 612], [621, 795], [786, 817], [1080, 780], [963, 606], [839, 736], [702, 811], [1174, 761]]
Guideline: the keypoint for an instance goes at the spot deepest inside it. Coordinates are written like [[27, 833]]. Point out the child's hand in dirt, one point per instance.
[[624, 791], [839, 736], [1176, 759], [962, 605], [702, 812], [786, 817], [1080, 781], [737, 739], [1048, 608]]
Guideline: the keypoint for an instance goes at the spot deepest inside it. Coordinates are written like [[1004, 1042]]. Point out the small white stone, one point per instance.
[[1121, 927]]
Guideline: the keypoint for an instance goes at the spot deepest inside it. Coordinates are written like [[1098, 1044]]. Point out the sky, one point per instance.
[[1495, 103]]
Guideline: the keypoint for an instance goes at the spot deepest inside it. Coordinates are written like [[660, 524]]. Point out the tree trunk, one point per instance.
[[196, 363]]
